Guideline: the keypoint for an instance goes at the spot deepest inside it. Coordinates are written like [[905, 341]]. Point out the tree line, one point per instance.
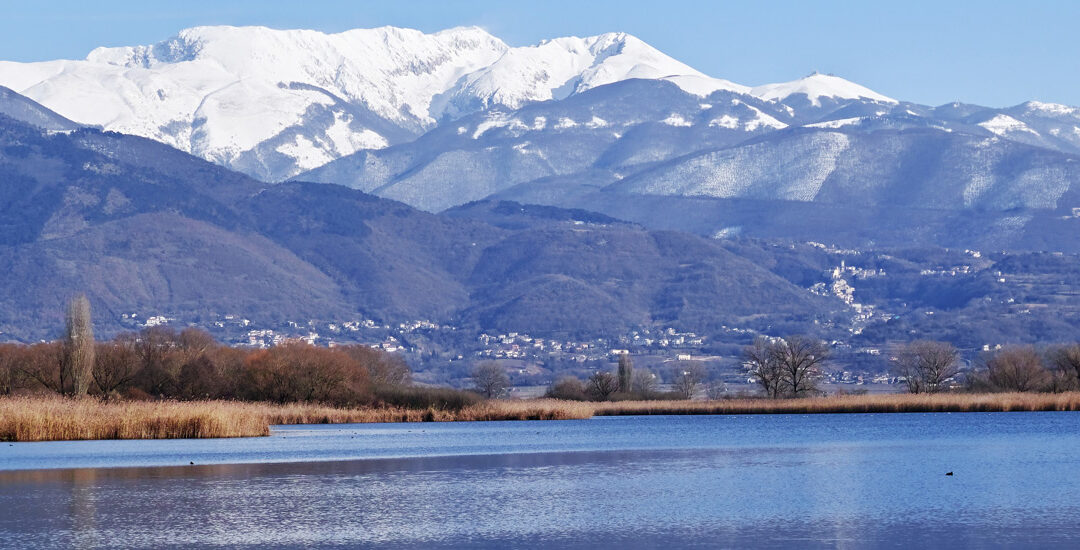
[[931, 367], [688, 379], [161, 362], [793, 367]]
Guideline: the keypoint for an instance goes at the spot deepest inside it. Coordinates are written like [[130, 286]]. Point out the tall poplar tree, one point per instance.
[[77, 367]]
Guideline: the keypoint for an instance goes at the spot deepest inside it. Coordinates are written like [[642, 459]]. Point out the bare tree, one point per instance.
[[161, 357], [715, 389], [1066, 359], [762, 364], [601, 385], [116, 364], [76, 370], [688, 377], [1017, 369], [801, 359], [194, 343], [490, 379], [383, 368], [926, 365], [42, 363], [200, 379], [391, 370], [10, 356], [644, 382], [626, 373]]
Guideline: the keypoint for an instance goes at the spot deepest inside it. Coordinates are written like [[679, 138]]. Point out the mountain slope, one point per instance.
[[910, 168], [147, 230], [24, 109], [616, 127], [639, 139]]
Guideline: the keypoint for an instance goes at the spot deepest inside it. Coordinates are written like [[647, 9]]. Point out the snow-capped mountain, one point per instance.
[[272, 103], [263, 101], [616, 129], [440, 119], [556, 69], [649, 138]]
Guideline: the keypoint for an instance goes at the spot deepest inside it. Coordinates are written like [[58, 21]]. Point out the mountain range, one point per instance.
[[582, 187], [142, 227], [604, 123], [272, 103]]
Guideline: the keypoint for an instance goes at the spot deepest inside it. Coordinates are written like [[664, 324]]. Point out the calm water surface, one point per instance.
[[783, 481]]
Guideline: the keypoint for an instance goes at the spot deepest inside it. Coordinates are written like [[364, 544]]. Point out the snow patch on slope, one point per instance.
[[1005, 124], [817, 86], [1051, 109], [838, 123], [675, 119]]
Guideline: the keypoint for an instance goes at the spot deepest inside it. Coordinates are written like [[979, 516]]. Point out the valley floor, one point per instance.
[[55, 419]]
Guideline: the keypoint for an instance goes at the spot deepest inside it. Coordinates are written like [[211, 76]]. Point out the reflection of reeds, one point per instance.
[[54, 418]]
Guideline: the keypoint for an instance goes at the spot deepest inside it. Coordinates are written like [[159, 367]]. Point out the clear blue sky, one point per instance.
[[994, 53]]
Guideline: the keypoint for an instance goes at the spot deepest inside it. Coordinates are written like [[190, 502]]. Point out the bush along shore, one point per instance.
[[160, 383]]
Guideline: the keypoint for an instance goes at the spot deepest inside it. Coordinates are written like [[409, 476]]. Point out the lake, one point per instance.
[[754, 481]]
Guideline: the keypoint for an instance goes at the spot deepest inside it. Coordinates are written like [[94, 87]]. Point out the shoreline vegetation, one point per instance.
[[160, 383], [53, 418]]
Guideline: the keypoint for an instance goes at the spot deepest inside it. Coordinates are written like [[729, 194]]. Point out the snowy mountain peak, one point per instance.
[[559, 67], [274, 103], [1050, 109], [817, 86]]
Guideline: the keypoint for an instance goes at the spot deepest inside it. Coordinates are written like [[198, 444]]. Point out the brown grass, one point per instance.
[[54, 418], [888, 403]]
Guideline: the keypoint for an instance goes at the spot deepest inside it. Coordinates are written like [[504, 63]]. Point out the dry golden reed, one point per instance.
[[881, 403], [55, 418]]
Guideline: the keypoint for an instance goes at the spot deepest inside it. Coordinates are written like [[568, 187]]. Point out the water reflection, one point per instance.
[[752, 483]]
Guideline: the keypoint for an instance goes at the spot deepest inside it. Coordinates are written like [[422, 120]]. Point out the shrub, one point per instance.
[[419, 397], [298, 371], [568, 388], [1017, 369]]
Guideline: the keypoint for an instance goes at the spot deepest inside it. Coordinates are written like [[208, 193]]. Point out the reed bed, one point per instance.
[[55, 418], [538, 409], [887, 403]]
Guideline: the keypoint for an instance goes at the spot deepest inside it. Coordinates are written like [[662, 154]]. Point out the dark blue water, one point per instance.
[[784, 481]]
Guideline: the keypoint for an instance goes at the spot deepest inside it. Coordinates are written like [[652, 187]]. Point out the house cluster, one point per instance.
[[839, 287], [514, 345], [948, 271], [132, 320], [663, 338], [264, 338], [860, 378]]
